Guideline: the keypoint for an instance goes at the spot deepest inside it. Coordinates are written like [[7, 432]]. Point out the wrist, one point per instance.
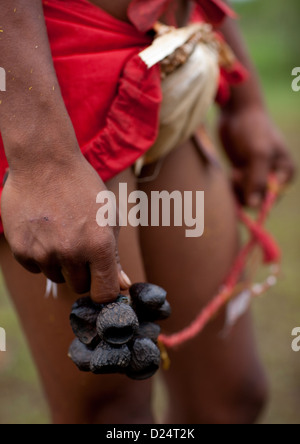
[[47, 141], [243, 104], [245, 96]]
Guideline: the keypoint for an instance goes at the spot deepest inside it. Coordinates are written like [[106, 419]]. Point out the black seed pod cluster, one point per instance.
[[120, 337]]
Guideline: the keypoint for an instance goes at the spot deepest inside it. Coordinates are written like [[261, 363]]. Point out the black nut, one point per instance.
[[145, 359], [164, 312], [120, 337], [147, 296], [83, 320], [148, 315], [148, 330], [117, 323], [80, 355], [108, 360]]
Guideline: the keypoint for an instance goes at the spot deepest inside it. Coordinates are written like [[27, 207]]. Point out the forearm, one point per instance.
[[249, 93], [254, 146], [32, 107]]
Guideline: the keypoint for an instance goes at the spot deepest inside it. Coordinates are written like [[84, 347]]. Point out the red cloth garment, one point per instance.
[[144, 13], [112, 98], [236, 75]]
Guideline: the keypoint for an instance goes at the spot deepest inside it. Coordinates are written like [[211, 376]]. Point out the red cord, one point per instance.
[[259, 236]]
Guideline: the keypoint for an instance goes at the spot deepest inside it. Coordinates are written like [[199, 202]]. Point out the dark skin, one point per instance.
[[49, 234], [253, 153], [43, 242], [248, 107], [251, 140], [49, 209]]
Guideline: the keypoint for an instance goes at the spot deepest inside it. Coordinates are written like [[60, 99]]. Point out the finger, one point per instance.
[[104, 283], [53, 273], [39, 265], [104, 271], [284, 169], [256, 181], [237, 180], [28, 264], [77, 277]]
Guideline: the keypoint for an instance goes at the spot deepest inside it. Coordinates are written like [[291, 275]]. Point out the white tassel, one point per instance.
[[237, 307], [51, 288]]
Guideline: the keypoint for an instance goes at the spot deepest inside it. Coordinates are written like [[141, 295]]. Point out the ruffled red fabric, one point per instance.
[[144, 13], [112, 98], [236, 75]]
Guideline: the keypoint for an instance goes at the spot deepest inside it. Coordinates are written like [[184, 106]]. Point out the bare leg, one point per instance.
[[75, 397], [211, 380]]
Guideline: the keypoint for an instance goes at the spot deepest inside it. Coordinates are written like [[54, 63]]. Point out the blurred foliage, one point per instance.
[[272, 32]]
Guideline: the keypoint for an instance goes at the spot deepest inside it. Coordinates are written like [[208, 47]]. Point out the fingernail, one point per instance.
[[255, 200], [126, 279]]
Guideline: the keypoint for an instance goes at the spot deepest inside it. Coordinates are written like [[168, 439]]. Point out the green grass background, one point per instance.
[[272, 33], [271, 29]]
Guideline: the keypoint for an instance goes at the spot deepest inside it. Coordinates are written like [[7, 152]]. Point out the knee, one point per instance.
[[248, 401], [240, 402], [243, 403], [120, 402]]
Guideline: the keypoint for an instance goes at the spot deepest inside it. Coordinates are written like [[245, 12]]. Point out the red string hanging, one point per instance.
[[271, 253]]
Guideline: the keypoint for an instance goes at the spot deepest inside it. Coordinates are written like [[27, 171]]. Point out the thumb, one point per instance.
[[256, 182]]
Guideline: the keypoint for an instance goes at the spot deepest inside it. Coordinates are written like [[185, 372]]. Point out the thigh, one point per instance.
[[75, 397], [209, 374]]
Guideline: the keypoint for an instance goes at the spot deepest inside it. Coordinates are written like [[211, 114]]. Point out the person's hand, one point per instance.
[[49, 218], [255, 148]]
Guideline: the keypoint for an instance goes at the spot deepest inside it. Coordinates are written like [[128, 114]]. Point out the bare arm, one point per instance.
[[250, 92], [252, 142], [49, 201], [33, 96]]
